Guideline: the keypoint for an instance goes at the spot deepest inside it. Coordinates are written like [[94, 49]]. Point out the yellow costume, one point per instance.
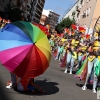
[[83, 50], [76, 43], [96, 35], [99, 58], [74, 55], [96, 45], [73, 42], [91, 58]]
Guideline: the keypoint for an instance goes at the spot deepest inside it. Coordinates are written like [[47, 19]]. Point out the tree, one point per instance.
[[12, 12], [65, 23]]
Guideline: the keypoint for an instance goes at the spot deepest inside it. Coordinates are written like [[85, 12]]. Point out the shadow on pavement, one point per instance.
[[49, 87]]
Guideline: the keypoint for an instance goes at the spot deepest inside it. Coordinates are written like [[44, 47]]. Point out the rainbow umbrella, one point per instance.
[[24, 49]]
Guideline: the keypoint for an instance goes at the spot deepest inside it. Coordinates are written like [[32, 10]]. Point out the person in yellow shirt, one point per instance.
[[74, 46], [81, 53], [73, 58], [69, 55], [91, 61], [96, 35]]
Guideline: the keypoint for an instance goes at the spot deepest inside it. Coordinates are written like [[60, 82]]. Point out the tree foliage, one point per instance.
[[65, 23], [12, 12]]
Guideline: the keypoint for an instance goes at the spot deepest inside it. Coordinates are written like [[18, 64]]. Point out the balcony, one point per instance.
[[77, 9]]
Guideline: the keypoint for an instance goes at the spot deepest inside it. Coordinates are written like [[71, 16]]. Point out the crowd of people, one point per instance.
[[79, 51]]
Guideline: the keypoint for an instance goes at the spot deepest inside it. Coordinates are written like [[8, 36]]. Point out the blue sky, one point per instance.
[[59, 6]]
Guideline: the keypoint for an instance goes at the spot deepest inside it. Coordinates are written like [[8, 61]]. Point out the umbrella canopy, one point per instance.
[[24, 49]]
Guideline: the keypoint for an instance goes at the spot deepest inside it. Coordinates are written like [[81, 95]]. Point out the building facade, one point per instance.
[[49, 18], [52, 19], [32, 9], [3, 3], [87, 12], [38, 11], [71, 12]]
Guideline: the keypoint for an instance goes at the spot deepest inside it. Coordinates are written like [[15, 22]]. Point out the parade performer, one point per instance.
[[68, 57], [63, 61], [91, 61], [74, 57], [51, 41], [58, 51], [81, 73]]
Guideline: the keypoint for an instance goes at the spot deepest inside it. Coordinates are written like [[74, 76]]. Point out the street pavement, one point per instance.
[[57, 84]]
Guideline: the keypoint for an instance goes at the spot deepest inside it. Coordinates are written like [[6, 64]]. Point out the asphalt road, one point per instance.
[[58, 85]]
